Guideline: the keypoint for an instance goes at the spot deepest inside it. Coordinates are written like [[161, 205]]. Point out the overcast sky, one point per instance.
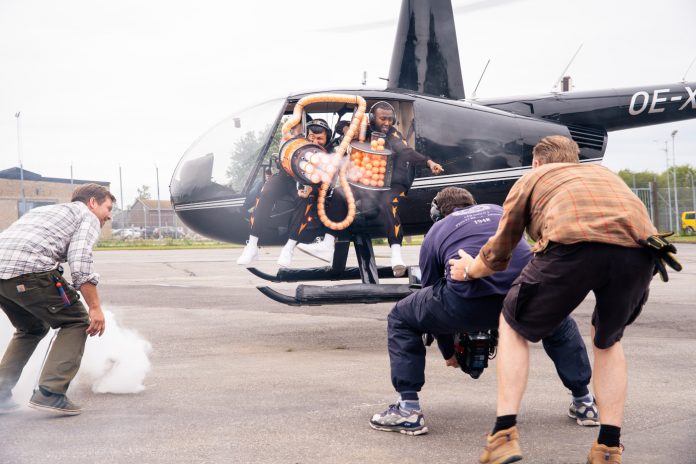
[[134, 82]]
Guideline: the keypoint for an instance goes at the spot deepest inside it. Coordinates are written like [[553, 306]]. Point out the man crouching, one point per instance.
[[444, 307]]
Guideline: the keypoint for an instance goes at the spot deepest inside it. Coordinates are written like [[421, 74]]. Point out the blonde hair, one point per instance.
[[556, 149]]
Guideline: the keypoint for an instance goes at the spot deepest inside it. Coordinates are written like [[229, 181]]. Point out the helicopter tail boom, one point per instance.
[[612, 109]]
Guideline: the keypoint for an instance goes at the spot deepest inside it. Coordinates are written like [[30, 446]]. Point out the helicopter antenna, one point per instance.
[[473, 96], [560, 78], [688, 69]]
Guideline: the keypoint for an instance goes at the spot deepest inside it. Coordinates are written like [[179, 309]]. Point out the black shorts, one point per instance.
[[556, 281]]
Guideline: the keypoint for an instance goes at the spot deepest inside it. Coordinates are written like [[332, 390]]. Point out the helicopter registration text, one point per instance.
[[642, 100]]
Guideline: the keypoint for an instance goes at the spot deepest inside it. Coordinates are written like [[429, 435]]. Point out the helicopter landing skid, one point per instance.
[[318, 273], [316, 295], [369, 291]]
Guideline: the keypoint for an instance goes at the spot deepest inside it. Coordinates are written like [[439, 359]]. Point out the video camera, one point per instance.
[[474, 349]]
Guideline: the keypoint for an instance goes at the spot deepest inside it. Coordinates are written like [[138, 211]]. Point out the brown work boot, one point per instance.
[[502, 448], [603, 454]]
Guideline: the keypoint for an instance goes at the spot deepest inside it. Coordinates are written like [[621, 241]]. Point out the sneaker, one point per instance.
[[53, 402], [603, 454], [396, 419], [249, 255], [503, 447], [285, 258], [321, 250], [397, 263], [7, 405], [584, 413]]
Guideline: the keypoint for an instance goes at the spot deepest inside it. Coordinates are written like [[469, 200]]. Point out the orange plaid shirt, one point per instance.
[[568, 203]]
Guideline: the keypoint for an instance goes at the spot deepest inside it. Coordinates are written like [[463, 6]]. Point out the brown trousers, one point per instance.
[[33, 305]]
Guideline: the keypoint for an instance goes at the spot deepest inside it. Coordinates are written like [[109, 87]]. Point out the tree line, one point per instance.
[[641, 179]]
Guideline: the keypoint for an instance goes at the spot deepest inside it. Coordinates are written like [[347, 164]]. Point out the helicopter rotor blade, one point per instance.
[[372, 25]]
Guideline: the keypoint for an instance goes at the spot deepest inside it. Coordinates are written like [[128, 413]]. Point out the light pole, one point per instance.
[[693, 192], [159, 206], [669, 188], [21, 167], [674, 179], [124, 212]]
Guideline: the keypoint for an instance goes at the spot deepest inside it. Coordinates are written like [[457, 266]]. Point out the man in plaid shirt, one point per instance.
[[36, 297], [587, 225]]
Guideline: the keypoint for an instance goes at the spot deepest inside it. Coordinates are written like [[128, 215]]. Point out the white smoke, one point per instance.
[[117, 362]]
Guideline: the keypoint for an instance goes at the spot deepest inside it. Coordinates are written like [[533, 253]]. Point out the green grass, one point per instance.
[[682, 239], [187, 244], [165, 244]]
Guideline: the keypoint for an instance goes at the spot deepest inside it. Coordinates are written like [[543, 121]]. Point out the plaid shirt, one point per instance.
[[45, 237], [568, 203]]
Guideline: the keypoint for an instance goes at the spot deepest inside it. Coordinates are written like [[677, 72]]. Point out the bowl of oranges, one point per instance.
[[370, 165]]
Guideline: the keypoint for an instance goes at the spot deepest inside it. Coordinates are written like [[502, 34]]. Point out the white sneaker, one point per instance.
[[285, 258], [397, 262], [321, 250], [249, 255]]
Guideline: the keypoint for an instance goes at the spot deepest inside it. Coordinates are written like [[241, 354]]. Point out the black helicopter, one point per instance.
[[484, 146]]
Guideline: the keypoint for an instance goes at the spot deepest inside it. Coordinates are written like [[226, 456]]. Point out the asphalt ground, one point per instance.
[[238, 378]]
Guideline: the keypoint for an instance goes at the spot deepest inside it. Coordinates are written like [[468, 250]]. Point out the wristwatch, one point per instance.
[[466, 273]]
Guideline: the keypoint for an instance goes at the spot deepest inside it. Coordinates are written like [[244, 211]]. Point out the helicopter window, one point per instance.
[[269, 160], [218, 164]]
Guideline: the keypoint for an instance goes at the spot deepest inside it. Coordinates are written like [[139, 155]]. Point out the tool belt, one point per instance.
[[662, 253]]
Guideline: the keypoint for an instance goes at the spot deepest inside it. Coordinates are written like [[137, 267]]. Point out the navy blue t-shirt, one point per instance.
[[468, 229]]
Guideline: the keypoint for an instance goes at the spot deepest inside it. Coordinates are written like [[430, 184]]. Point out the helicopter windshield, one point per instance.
[[221, 161]]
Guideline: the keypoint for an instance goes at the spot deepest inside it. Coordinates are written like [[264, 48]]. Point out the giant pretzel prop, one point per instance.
[[358, 126]]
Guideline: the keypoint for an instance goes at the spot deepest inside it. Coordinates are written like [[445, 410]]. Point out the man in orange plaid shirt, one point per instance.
[[587, 225]]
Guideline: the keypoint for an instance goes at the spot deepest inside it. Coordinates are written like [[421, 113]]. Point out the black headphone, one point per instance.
[[384, 105], [435, 213]]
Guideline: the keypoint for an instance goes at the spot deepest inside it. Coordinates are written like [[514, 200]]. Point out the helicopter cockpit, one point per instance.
[[219, 163], [230, 159]]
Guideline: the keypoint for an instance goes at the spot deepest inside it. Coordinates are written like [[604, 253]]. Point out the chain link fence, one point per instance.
[[666, 206]]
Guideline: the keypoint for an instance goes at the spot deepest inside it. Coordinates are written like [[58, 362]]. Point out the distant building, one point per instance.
[[38, 191], [148, 213]]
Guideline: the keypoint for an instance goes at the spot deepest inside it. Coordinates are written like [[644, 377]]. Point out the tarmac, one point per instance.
[[238, 378]]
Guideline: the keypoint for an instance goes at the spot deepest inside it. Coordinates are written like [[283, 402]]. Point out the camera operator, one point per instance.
[[444, 307]]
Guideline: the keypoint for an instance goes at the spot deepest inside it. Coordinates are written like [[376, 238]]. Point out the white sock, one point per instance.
[[253, 241], [396, 250], [329, 239], [290, 245]]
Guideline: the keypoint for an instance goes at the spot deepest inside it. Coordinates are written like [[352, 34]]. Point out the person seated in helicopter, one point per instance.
[[323, 248], [340, 130], [382, 117], [276, 187]]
